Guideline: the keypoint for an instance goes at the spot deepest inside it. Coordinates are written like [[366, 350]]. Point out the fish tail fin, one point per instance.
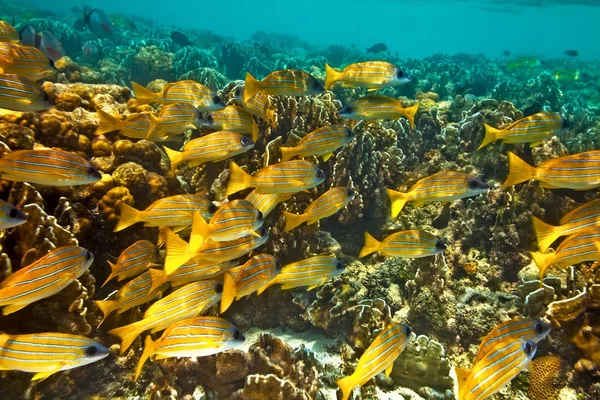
[[107, 307], [175, 158], [154, 120], [108, 123], [543, 261], [332, 76], [346, 384], [546, 234], [113, 272], [267, 285], [127, 334], [292, 220], [158, 278], [287, 153], [371, 245], [491, 135], [200, 231], [143, 95], [271, 118], [409, 114], [229, 292], [398, 201], [178, 252], [238, 179], [518, 171], [462, 376], [146, 354], [128, 217], [251, 87]]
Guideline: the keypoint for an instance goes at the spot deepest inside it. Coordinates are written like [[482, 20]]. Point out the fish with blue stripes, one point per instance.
[[285, 82], [442, 186], [192, 271], [43, 278], [259, 105], [10, 216], [324, 206], [133, 261], [579, 171], [413, 243], [311, 272], [18, 93], [532, 129], [266, 202], [47, 167], [175, 119], [186, 91], [372, 75], [246, 279], [235, 119], [321, 142], [25, 61], [195, 337], [216, 146], [286, 177], [378, 357], [379, 107], [8, 33], [135, 126], [45, 354]]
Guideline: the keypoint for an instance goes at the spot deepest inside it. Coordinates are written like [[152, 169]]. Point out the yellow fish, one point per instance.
[[47, 353], [195, 337], [286, 82], [134, 260], [21, 94], [442, 186], [235, 119], [259, 105], [213, 147], [379, 356], [286, 177], [175, 119], [135, 126], [25, 61], [265, 203], [192, 271], [311, 272], [372, 75], [579, 171], [379, 107], [406, 244], [325, 206], [321, 142], [8, 34], [532, 129], [10, 216], [246, 279], [186, 91]]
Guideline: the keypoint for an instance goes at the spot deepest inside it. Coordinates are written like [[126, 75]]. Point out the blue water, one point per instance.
[[411, 28]]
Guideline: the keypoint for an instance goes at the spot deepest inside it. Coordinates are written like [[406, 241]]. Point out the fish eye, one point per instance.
[[529, 348], [400, 74], [320, 174], [277, 265], [13, 213], [340, 265], [245, 141], [259, 215], [351, 192], [349, 132], [46, 97], [93, 171], [237, 335], [439, 244], [476, 183], [90, 351], [316, 84], [219, 288], [408, 331], [346, 110], [216, 99], [238, 92], [263, 231], [212, 208], [539, 328], [210, 119], [51, 62], [88, 255]]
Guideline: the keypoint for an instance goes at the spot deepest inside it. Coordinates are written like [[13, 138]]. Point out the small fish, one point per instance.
[[179, 252], [187, 91], [372, 75], [180, 39], [195, 337], [47, 167], [47, 353], [379, 356], [572, 251], [21, 94], [8, 33], [259, 105], [495, 370], [216, 146], [567, 75], [169, 211], [265, 203], [532, 129], [25, 61], [43, 278], [311, 272], [185, 302], [524, 64], [234, 118], [134, 260], [27, 35], [579, 171], [441, 222], [192, 271], [377, 48], [90, 50], [176, 118], [379, 107], [246, 279], [406, 244], [48, 44], [571, 53], [286, 177], [135, 126], [321, 142], [286, 82], [506, 53], [584, 218], [325, 206], [97, 21], [442, 186], [10, 216]]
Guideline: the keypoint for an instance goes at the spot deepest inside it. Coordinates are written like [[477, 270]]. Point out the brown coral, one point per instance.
[[542, 378], [109, 204]]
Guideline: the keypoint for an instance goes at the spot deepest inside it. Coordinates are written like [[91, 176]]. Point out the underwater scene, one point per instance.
[[392, 200]]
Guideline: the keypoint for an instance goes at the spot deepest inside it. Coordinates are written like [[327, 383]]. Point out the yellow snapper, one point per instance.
[[379, 107], [134, 260], [192, 271], [246, 279], [286, 177], [325, 206], [235, 119], [185, 302], [169, 211], [378, 357], [135, 126], [186, 91], [321, 142], [44, 278], [47, 353], [579, 171], [8, 34], [195, 337], [372, 75], [25, 61], [406, 244], [266, 202], [311, 272], [21, 94], [442, 186], [258, 105], [10, 216], [213, 147], [532, 129], [175, 118], [286, 82]]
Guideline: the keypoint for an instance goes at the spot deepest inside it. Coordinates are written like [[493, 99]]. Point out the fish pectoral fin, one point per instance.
[[254, 234], [388, 370], [317, 285], [372, 89], [160, 357], [13, 308], [40, 376], [418, 203], [327, 156], [549, 186], [533, 144]]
